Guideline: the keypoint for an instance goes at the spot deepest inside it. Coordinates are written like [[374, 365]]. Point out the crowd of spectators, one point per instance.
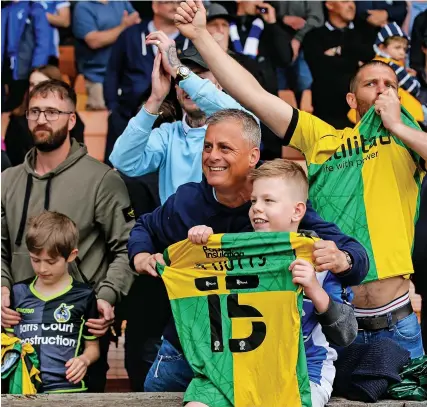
[[172, 100]]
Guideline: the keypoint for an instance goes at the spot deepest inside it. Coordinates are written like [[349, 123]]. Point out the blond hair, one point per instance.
[[289, 171], [54, 232]]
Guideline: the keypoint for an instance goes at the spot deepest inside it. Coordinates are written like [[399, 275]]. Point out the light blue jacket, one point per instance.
[[175, 149]]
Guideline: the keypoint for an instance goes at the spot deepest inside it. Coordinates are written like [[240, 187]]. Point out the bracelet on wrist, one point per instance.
[[154, 114]]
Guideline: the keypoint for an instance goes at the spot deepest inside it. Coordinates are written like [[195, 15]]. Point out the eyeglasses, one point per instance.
[[50, 114]]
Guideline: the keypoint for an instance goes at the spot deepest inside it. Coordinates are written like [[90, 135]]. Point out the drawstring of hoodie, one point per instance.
[[28, 188], [47, 194], [24, 210]]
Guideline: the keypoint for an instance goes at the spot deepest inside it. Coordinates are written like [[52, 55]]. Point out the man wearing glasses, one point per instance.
[[58, 175]]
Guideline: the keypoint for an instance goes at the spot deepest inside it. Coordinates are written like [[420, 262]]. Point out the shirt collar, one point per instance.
[[187, 128], [330, 27]]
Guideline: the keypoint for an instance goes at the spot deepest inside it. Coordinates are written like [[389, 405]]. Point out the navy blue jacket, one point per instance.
[[24, 29], [396, 10], [129, 68], [194, 204]]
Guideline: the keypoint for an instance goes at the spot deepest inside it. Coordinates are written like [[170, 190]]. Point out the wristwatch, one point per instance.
[[349, 259], [182, 72]]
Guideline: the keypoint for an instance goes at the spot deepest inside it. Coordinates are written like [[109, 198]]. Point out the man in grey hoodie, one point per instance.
[[59, 175]]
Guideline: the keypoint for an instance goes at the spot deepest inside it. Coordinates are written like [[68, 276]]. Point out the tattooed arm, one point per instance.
[[167, 47]]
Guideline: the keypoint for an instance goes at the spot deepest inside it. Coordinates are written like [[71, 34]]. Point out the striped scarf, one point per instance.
[[252, 42]]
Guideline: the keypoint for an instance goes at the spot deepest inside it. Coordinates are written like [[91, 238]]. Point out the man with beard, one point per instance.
[[366, 180], [58, 175], [175, 149]]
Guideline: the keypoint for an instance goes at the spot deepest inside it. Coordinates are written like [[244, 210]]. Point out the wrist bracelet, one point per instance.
[[154, 114]]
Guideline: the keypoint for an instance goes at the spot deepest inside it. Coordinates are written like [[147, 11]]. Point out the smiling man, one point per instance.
[[174, 149], [222, 201]]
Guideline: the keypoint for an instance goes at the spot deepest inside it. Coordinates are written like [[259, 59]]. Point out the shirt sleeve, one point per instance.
[[304, 132], [90, 312], [129, 7], [62, 4], [140, 149], [338, 322], [208, 97], [84, 21]]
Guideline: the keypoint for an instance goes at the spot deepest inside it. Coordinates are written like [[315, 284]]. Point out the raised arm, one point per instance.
[[140, 149], [239, 83], [388, 106]]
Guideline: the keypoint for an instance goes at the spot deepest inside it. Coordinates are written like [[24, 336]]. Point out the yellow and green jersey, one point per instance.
[[367, 181], [238, 317]]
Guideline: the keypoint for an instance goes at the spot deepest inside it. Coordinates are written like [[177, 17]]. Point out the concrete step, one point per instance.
[[151, 400]]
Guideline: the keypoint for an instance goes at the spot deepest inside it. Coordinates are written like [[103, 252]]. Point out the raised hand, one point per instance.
[[387, 106], [160, 86], [167, 49], [190, 18]]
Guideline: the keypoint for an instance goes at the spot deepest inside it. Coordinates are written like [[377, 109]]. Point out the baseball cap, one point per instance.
[[216, 10], [192, 55]]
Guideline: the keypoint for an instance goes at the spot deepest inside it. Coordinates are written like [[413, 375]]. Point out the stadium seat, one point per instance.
[[67, 62], [95, 135], [80, 89]]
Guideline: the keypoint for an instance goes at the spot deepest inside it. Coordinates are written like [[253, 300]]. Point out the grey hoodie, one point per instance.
[[93, 196]]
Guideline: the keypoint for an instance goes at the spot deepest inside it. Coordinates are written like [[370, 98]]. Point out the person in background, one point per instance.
[[415, 8], [18, 139], [341, 45], [380, 13], [255, 32], [24, 30], [96, 26], [391, 46], [59, 16], [218, 25], [129, 68], [418, 56], [59, 175], [294, 81]]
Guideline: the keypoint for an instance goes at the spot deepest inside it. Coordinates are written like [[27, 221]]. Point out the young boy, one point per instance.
[[54, 307], [391, 47], [279, 195]]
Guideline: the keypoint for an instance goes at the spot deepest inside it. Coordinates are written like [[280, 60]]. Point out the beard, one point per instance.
[[363, 107], [52, 141]]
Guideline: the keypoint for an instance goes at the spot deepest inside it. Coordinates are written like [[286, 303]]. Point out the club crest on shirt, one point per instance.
[[62, 313]]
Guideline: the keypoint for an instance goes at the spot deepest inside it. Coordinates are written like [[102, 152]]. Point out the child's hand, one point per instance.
[[303, 273], [199, 234], [77, 368]]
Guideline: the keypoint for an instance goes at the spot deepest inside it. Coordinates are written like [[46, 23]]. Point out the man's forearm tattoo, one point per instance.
[[172, 56]]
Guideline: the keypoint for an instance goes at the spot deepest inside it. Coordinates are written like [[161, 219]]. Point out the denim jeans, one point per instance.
[[170, 372], [406, 332], [299, 71]]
